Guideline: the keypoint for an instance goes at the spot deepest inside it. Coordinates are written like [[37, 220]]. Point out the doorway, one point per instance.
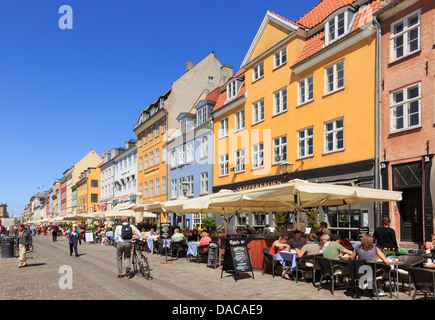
[[411, 215]]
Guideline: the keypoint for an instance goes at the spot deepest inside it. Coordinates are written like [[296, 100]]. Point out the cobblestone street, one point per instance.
[[182, 280]]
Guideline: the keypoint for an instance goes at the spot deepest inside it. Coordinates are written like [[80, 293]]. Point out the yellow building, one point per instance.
[[88, 191], [310, 101]]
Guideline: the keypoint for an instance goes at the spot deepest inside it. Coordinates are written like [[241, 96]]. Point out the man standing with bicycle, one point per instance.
[[124, 236]]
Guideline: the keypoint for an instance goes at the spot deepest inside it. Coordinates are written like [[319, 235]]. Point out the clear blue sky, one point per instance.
[[63, 92]]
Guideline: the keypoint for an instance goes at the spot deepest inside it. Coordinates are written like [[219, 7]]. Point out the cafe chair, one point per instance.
[[381, 273], [330, 270], [202, 253], [424, 281], [408, 261], [268, 259], [178, 248], [305, 263], [354, 266]]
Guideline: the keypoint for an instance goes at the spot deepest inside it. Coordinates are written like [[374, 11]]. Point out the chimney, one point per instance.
[[226, 73], [129, 144], [106, 156], [189, 65]]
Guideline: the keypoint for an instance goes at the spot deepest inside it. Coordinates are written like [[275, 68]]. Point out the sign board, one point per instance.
[[165, 231], [213, 249], [89, 236], [362, 231], [236, 257]]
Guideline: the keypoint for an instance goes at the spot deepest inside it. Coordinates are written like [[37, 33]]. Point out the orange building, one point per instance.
[[88, 191]]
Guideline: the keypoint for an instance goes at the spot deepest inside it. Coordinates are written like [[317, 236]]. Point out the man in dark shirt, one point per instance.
[[54, 231], [297, 241]]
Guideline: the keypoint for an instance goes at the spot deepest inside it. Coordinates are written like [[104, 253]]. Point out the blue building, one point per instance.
[[190, 160]]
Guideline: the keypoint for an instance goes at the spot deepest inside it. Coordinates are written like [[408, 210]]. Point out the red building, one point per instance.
[[406, 86]]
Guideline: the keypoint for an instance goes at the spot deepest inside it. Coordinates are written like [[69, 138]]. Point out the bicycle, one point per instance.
[[139, 260]]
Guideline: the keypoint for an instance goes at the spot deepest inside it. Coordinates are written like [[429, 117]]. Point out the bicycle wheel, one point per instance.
[[135, 262], [145, 267]]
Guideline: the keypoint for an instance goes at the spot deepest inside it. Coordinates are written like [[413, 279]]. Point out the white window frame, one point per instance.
[[145, 165], [204, 147], [232, 89], [157, 129], [157, 156], [223, 130], [163, 153], [151, 188], [280, 101], [239, 159], [335, 72], [305, 142], [258, 71], [334, 21], [189, 152], [145, 137], [278, 145], [201, 116], [164, 125], [405, 104], [140, 164], [151, 133], [181, 156], [174, 189], [145, 192], [157, 187], [240, 120], [335, 131], [405, 33], [174, 158], [280, 57], [258, 111], [223, 165], [304, 91], [258, 155], [151, 159], [190, 186], [204, 183], [163, 185]]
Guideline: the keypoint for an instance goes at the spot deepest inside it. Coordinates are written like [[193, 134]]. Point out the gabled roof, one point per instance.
[[222, 98]]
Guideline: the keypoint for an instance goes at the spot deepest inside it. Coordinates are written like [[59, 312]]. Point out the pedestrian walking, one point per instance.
[[73, 238], [123, 236], [23, 238], [54, 231]]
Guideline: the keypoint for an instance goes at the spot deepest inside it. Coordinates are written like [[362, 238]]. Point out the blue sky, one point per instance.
[[63, 92]]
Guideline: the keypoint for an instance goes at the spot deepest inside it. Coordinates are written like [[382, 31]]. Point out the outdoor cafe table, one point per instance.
[[287, 259], [192, 249]]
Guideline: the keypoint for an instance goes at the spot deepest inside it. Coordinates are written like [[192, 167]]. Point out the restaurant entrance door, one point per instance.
[[411, 215]]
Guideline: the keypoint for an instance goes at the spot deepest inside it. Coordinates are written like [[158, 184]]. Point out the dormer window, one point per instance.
[[233, 88], [201, 116], [183, 125], [337, 26]]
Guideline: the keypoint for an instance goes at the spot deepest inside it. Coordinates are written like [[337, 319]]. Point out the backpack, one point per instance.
[[126, 232]]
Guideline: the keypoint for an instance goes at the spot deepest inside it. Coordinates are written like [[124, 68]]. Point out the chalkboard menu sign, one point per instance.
[[165, 231], [362, 231], [213, 248], [236, 257], [89, 236]]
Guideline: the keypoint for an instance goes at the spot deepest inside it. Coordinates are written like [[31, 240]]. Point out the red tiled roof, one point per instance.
[[320, 11], [313, 45], [365, 13], [298, 24], [214, 95]]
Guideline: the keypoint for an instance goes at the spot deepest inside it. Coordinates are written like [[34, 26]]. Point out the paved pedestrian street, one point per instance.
[[94, 277]]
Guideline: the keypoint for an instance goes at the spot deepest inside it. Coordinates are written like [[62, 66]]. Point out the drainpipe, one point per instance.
[[378, 113]]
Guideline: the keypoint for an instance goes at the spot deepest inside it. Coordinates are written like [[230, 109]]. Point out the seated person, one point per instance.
[[177, 236], [334, 249], [430, 244], [367, 251], [308, 249], [205, 239], [194, 235], [109, 235], [297, 241], [277, 246]]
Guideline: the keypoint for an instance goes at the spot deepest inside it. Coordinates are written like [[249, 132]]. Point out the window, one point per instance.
[[157, 156], [145, 162], [189, 191], [279, 149], [151, 158], [223, 164], [305, 142], [197, 219], [223, 132], [204, 182], [140, 164], [201, 116], [189, 153], [151, 133], [164, 125], [145, 192], [258, 111], [94, 198], [204, 147], [233, 88], [182, 156], [240, 119], [140, 140], [151, 188], [183, 125], [338, 26], [258, 71], [164, 154], [334, 77], [405, 36], [306, 88], [257, 155], [163, 185], [173, 158], [210, 79], [157, 187], [240, 160], [334, 135], [94, 183], [145, 136], [405, 108], [280, 57], [280, 101], [157, 129]]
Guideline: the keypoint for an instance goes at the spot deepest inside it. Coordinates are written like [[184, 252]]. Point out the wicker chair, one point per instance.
[[381, 273], [305, 263], [202, 252], [178, 248], [408, 261], [330, 269], [424, 281], [268, 259]]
